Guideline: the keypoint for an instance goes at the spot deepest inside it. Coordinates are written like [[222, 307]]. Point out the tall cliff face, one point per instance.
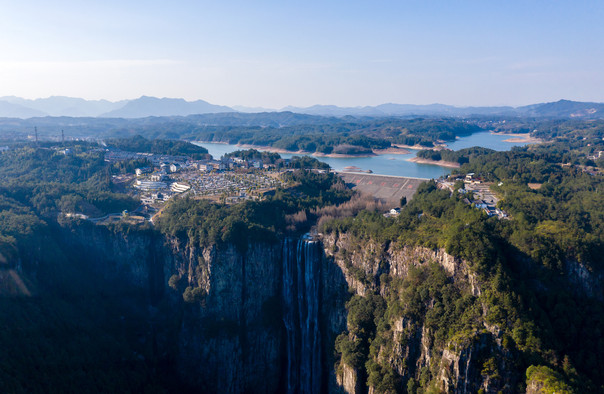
[[466, 363], [266, 318], [263, 319], [231, 340], [122, 262]]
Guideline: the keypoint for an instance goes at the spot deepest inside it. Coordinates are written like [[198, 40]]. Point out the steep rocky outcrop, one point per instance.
[[264, 317], [228, 337], [363, 263], [229, 304], [586, 281], [231, 340], [476, 360]]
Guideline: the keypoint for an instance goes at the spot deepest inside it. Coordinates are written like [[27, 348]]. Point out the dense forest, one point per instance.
[[525, 266], [161, 147], [362, 134], [253, 154], [284, 130]]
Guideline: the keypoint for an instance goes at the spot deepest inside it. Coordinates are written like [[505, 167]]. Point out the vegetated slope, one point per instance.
[[449, 299], [160, 147], [283, 130]]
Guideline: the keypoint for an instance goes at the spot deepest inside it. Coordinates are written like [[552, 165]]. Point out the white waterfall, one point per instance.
[[301, 297]]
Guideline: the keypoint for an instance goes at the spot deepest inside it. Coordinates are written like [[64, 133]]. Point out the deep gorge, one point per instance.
[[336, 312], [263, 323], [267, 317]]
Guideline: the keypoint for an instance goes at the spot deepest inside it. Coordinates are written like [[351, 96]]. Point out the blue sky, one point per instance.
[[278, 53]]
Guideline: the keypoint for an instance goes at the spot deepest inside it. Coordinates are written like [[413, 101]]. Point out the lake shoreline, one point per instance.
[[524, 138], [437, 146], [304, 153], [442, 163], [391, 161], [395, 150]]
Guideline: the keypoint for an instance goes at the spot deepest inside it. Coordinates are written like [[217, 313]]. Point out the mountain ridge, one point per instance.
[[147, 106], [152, 106]]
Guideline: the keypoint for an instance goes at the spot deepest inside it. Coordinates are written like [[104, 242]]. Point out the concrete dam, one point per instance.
[[384, 187]]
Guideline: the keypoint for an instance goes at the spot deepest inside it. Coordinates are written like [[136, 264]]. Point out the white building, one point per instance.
[[144, 170], [178, 187], [160, 177], [150, 185]]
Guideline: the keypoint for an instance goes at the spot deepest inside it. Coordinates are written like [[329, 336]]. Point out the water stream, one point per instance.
[[301, 297]]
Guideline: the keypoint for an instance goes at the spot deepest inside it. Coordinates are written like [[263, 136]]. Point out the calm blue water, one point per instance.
[[396, 165], [486, 140]]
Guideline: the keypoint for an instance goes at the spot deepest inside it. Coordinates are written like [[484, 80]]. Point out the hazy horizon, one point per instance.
[[272, 54], [235, 106]]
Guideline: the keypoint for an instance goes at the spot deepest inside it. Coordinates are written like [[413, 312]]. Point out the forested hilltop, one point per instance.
[[531, 300], [286, 130], [139, 143]]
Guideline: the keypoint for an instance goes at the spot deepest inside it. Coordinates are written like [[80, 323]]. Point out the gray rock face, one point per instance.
[[234, 336], [460, 363], [243, 331], [232, 341]]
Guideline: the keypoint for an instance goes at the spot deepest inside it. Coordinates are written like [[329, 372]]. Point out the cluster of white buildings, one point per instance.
[[202, 178], [230, 183], [171, 175]]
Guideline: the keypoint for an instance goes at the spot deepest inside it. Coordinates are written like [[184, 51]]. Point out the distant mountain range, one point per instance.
[[152, 106], [16, 107], [58, 106], [558, 109]]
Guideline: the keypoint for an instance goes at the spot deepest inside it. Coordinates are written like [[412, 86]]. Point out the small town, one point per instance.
[[228, 180]]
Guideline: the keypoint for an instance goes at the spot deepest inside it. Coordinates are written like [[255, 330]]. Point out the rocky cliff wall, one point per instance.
[[231, 339], [459, 366], [228, 334]]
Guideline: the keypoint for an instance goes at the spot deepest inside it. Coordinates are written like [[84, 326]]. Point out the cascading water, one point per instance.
[[301, 278], [290, 314]]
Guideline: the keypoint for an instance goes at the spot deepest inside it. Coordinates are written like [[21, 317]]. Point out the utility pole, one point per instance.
[[62, 137], [36, 131]]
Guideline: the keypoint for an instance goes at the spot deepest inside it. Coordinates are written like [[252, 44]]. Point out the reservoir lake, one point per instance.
[[392, 164]]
